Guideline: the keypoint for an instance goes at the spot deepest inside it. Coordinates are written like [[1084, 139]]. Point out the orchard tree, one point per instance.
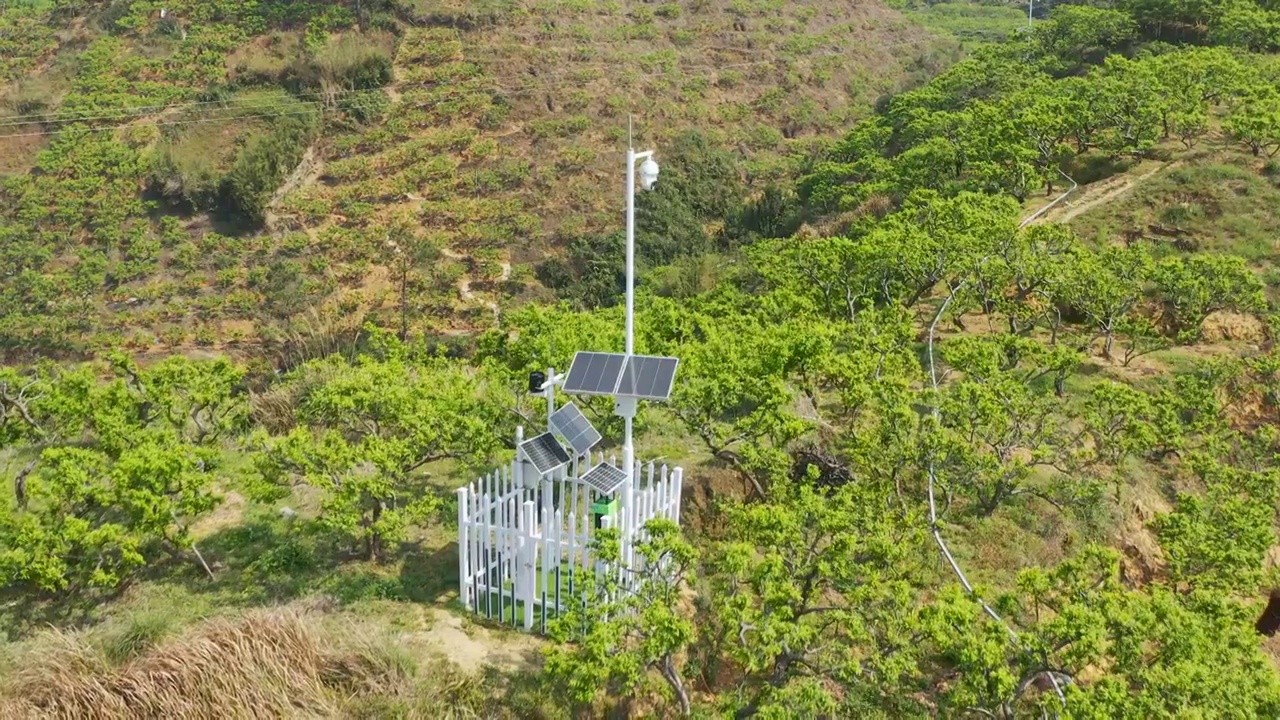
[[609, 637], [534, 338], [997, 430], [838, 275], [95, 518], [202, 402], [1111, 652], [1255, 121], [811, 590], [1197, 285], [1106, 286], [1218, 539], [732, 392], [1139, 336], [366, 429], [116, 470], [1074, 32], [1130, 105], [935, 238]]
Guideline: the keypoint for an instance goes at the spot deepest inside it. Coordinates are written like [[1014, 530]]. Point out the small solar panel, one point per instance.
[[594, 373], [649, 377], [573, 426], [605, 478], [545, 452]]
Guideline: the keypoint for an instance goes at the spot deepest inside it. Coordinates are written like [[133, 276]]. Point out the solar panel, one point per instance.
[[545, 452], [605, 478], [649, 377], [594, 373], [574, 427]]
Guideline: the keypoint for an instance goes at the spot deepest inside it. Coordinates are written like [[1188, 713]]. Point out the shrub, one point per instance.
[[352, 62], [138, 633], [366, 107], [188, 178], [264, 162]]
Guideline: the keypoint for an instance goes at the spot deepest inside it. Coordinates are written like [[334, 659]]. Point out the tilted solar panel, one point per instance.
[[545, 452], [648, 377], [573, 426], [605, 478], [594, 373]]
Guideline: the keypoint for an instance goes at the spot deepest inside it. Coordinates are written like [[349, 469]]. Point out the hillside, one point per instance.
[[235, 168], [975, 407]]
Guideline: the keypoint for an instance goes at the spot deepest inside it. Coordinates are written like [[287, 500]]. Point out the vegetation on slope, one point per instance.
[[934, 469], [261, 159]]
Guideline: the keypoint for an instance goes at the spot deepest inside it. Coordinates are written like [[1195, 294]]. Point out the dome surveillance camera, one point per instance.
[[648, 174]]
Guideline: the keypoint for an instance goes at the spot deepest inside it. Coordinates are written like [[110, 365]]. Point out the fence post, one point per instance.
[[529, 562], [464, 549], [678, 481]]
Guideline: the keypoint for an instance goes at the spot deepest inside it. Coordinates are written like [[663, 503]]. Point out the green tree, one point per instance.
[[609, 636], [811, 590], [998, 429], [1197, 285], [1112, 652], [1073, 32], [1106, 286], [366, 428], [1218, 539], [1255, 121], [733, 394]]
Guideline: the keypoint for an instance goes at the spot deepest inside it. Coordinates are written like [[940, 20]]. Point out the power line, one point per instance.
[[252, 103], [145, 110], [167, 122], [139, 112], [454, 93]]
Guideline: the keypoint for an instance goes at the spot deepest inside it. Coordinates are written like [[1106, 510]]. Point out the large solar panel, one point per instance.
[[605, 478], [545, 452], [573, 426], [648, 377], [594, 373]]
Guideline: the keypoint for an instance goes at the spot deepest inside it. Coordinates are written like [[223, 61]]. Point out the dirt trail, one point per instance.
[[307, 172], [473, 647], [1099, 194]]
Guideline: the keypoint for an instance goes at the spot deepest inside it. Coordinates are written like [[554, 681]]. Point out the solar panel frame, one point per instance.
[[648, 377], [569, 423], [545, 452], [604, 478], [594, 373]]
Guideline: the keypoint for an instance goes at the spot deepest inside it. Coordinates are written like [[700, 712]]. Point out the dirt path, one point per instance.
[[307, 172], [1099, 194], [473, 647]]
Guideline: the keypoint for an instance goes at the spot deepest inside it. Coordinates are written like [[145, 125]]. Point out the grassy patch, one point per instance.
[[969, 21], [1223, 204], [265, 664]]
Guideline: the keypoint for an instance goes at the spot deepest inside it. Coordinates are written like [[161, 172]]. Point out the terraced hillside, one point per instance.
[[202, 174]]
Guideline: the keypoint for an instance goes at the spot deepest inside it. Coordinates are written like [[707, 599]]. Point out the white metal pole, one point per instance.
[[517, 467], [628, 451], [631, 249], [550, 390]]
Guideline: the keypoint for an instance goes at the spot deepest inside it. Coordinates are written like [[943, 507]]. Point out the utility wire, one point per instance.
[[287, 107], [146, 110], [257, 103]]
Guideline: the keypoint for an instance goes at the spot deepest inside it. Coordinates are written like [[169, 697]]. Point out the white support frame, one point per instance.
[[513, 539]]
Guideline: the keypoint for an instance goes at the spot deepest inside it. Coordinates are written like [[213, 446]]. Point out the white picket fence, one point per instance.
[[521, 544]]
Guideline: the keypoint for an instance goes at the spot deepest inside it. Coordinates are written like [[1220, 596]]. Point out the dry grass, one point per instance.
[[278, 663]]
